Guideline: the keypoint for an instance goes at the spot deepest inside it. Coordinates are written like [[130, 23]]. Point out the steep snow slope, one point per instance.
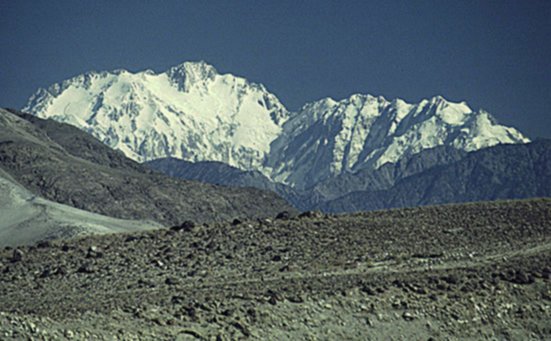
[[194, 113], [189, 112], [27, 218], [327, 138]]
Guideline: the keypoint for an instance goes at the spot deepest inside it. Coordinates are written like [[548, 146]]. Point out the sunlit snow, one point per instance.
[[194, 113]]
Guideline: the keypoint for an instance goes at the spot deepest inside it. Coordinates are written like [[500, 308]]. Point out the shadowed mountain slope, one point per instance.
[[219, 173], [65, 165], [434, 176], [500, 172]]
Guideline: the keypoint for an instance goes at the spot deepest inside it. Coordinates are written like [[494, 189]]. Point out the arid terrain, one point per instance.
[[459, 272]]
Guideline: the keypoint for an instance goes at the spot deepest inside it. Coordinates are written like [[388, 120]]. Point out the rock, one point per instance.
[[311, 214], [295, 299], [236, 222], [61, 271], [443, 286], [186, 226], [408, 316], [241, 327], [283, 216], [176, 299], [421, 290], [44, 244], [193, 333], [252, 313], [522, 277], [228, 312], [17, 255], [451, 279], [172, 281], [368, 322], [191, 312], [368, 290], [46, 273], [130, 239], [285, 268], [93, 252], [86, 268]]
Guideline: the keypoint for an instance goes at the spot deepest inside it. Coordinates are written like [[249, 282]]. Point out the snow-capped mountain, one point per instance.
[[329, 137], [194, 113], [189, 112]]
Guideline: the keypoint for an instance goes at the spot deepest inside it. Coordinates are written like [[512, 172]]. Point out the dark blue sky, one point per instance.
[[493, 54]]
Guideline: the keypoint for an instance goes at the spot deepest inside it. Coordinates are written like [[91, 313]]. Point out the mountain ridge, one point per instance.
[[494, 173], [194, 113], [498, 172]]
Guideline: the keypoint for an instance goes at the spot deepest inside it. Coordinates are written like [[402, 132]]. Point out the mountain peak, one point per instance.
[[198, 67], [194, 113], [186, 74]]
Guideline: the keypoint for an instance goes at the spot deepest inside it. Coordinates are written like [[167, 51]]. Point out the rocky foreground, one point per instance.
[[473, 271]]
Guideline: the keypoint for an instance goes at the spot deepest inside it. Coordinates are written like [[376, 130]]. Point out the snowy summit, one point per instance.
[[194, 113]]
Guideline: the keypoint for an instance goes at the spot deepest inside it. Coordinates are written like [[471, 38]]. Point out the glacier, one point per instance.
[[194, 113]]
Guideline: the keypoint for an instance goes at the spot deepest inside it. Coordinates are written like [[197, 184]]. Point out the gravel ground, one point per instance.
[[472, 272]]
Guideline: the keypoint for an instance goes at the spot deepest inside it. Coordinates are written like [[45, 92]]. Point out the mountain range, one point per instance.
[[194, 113], [359, 153]]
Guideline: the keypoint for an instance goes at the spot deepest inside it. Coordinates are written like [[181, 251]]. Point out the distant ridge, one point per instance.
[[439, 175]]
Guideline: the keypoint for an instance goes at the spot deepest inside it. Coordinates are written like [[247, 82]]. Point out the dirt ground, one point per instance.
[[456, 272]]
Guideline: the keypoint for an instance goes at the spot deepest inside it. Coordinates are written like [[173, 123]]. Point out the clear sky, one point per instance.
[[494, 54]]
